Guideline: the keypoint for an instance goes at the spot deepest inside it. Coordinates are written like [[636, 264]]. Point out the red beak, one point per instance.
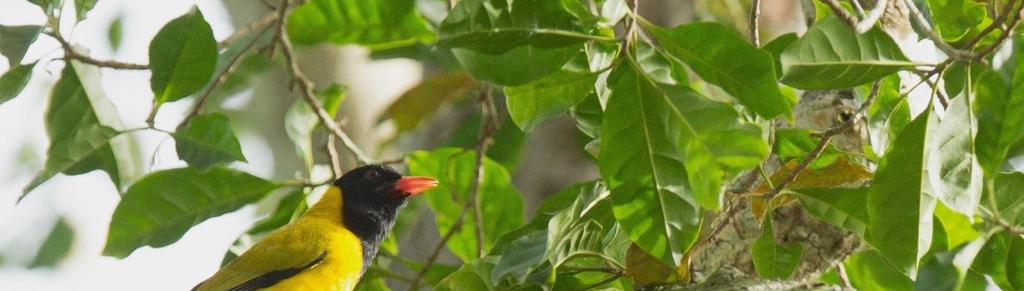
[[414, 185]]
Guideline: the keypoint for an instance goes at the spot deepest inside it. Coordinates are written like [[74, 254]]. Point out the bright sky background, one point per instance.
[[88, 200]]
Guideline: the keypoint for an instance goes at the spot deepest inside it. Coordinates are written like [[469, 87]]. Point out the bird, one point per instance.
[[331, 245]]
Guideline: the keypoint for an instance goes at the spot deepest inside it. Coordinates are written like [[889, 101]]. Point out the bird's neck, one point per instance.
[[369, 225]]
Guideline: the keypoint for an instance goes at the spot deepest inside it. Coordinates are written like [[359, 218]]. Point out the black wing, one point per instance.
[[270, 278]]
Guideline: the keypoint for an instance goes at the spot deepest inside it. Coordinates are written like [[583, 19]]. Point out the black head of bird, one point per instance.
[[372, 196]]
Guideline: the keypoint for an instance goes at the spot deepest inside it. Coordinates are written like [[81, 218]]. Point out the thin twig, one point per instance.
[[487, 128], [841, 12], [306, 90], [221, 77], [385, 273], [843, 277], [826, 137], [437, 249], [734, 209], [755, 15], [946, 48], [70, 53], [869, 20], [997, 23], [261, 23], [1014, 22], [857, 7], [332, 153], [926, 77]]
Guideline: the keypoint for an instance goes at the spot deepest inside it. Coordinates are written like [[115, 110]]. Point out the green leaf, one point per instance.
[[888, 114], [613, 11], [375, 24], [947, 270], [14, 80], [675, 122], [588, 115], [1015, 266], [899, 213], [50, 7], [842, 207], [772, 260], [721, 57], [548, 97], [831, 55], [300, 120], [182, 56], [500, 203], [551, 205], [79, 142], [952, 169], [991, 260], [958, 228], [585, 229], [15, 40], [158, 209], [867, 270], [496, 26], [115, 33], [797, 143], [509, 69], [1009, 196], [1000, 114], [664, 150], [467, 277], [82, 7], [421, 102], [289, 208], [56, 246], [208, 140], [238, 73], [521, 256], [953, 19], [644, 168], [777, 46]]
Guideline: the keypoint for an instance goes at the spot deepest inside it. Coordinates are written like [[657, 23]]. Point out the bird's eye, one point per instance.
[[372, 175]]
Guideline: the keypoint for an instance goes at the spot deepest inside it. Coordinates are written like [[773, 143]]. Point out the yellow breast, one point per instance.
[[322, 226]]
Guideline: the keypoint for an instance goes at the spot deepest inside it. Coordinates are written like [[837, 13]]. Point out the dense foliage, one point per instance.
[[676, 119]]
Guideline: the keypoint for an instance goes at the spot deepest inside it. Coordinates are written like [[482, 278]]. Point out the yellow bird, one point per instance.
[[332, 244]]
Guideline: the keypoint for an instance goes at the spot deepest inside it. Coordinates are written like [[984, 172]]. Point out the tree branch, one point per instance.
[[1014, 22], [261, 24], [841, 12], [70, 53], [755, 15], [487, 127], [823, 143], [306, 89], [869, 20], [221, 77], [918, 18], [863, 25], [997, 23]]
